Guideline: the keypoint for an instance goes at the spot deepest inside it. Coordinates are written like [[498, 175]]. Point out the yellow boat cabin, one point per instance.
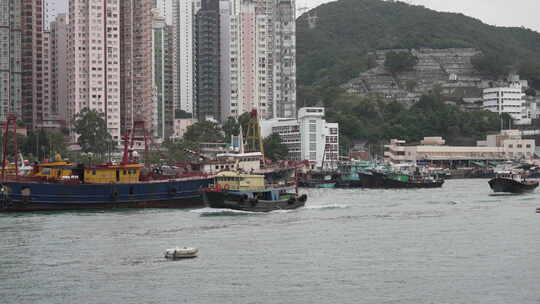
[[129, 173], [58, 169], [239, 181]]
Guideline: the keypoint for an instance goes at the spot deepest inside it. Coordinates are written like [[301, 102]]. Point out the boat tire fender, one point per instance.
[[302, 198], [290, 201], [243, 198], [172, 191], [253, 202], [114, 194]]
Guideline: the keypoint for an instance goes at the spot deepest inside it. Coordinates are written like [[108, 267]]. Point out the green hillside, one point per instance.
[[334, 51]]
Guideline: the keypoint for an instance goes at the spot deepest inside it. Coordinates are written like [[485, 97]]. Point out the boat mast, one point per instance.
[[11, 119]]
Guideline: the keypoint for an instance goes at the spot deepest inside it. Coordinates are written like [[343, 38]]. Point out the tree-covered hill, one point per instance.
[[335, 49]]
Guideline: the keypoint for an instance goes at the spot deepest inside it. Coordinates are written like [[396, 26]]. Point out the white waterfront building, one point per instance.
[[309, 137], [510, 100]]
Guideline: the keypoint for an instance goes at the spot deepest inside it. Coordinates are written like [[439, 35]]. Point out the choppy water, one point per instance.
[[458, 244]]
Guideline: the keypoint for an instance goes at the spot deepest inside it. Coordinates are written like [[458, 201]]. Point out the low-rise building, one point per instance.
[[508, 145], [510, 100], [309, 137]]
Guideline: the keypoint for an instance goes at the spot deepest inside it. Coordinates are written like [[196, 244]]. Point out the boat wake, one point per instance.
[[328, 207], [222, 212]]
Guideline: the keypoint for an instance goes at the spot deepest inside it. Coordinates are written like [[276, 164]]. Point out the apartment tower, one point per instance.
[[207, 54], [31, 18], [136, 62], [93, 60], [162, 111], [59, 87], [262, 58], [11, 66], [183, 73]]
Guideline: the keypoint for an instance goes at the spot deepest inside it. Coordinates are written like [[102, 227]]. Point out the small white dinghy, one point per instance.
[[181, 253]]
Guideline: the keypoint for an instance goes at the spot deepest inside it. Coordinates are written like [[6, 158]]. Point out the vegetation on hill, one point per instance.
[[397, 62], [379, 120], [336, 50]]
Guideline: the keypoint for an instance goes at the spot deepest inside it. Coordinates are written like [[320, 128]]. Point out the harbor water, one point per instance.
[[458, 244]]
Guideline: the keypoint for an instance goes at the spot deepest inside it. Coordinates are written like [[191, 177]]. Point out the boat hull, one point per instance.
[[511, 186], [237, 201], [381, 181], [24, 196]]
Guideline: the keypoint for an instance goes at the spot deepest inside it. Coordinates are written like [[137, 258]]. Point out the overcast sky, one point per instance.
[[495, 12]]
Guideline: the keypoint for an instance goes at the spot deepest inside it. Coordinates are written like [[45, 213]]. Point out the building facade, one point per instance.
[[162, 110], [93, 61], [508, 100], [11, 64], [310, 137], [262, 58], [48, 118], [207, 67], [136, 62], [183, 57], [59, 87], [31, 20], [507, 145]]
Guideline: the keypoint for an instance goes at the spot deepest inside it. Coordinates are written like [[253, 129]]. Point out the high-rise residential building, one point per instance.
[[207, 67], [93, 61], [31, 18], [59, 77], [282, 85], [262, 57], [225, 58], [136, 62], [165, 9], [183, 81], [49, 13], [162, 111], [47, 119], [11, 65]]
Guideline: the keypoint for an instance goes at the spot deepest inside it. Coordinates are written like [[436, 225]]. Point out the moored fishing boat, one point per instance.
[[250, 192], [398, 180], [318, 179], [56, 186], [512, 182]]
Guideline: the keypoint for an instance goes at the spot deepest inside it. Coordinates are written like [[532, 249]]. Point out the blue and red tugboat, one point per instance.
[[109, 185]]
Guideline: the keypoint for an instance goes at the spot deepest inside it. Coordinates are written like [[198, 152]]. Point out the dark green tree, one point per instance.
[[204, 131], [92, 130], [397, 62], [231, 127], [243, 120], [274, 149]]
